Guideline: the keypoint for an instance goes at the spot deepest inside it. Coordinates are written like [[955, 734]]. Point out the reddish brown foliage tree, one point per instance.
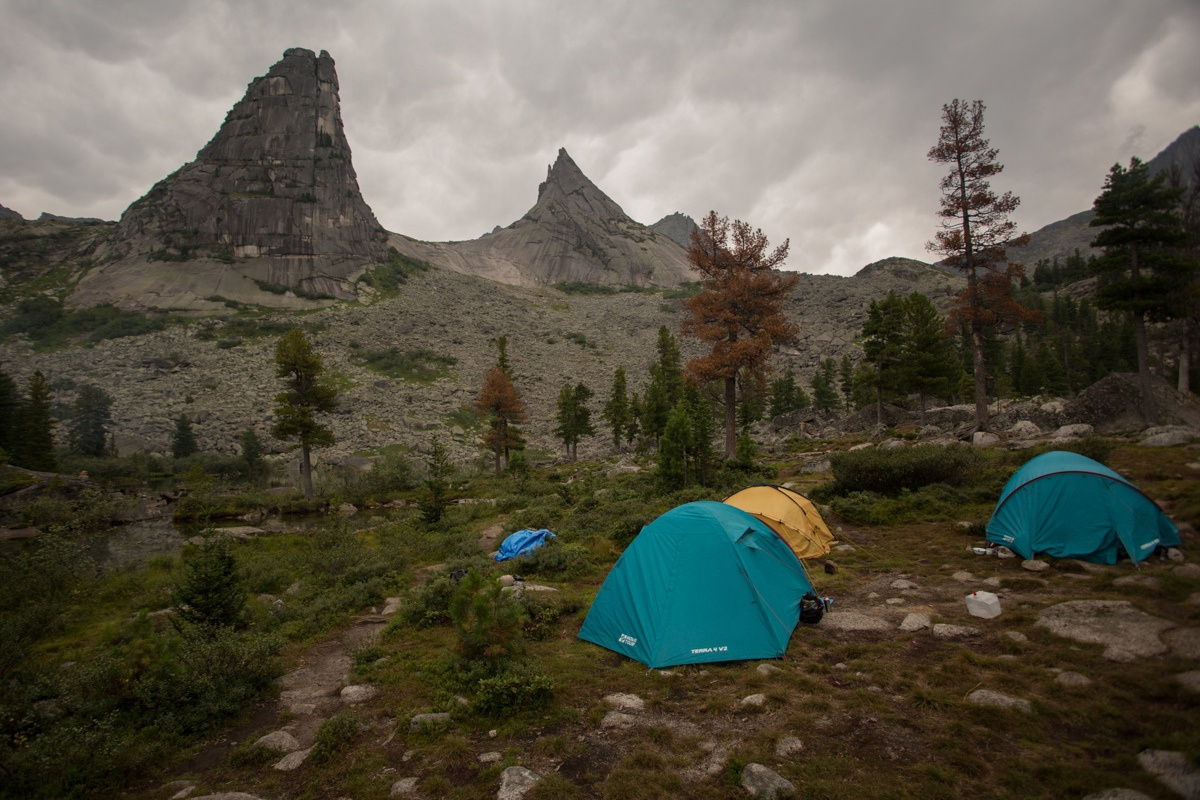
[[499, 400], [975, 230], [740, 311]]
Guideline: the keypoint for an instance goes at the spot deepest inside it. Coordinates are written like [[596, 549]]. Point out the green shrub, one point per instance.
[[1096, 448], [928, 504], [210, 593], [416, 366], [890, 471], [333, 735], [542, 611], [486, 619], [553, 557], [429, 605], [519, 690]]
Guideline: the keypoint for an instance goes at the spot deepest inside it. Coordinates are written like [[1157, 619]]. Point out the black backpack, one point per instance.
[[812, 608]]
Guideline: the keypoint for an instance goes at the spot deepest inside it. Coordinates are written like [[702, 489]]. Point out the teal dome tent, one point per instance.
[[703, 582], [1068, 506]]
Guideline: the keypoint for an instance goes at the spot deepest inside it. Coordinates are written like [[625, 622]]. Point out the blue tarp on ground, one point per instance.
[[1068, 506], [703, 582], [521, 542]]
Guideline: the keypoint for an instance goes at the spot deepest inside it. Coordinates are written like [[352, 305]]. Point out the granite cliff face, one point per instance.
[[574, 232], [677, 226], [272, 198]]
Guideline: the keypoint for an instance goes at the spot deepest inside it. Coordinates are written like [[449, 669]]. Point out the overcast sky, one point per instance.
[[810, 120]]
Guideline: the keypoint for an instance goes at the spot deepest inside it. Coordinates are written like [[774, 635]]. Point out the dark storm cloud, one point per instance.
[[810, 120]]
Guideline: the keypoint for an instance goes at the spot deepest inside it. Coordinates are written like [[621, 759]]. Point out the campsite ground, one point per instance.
[[880, 712]]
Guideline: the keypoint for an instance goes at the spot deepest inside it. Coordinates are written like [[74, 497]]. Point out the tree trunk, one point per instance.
[[1185, 362], [730, 418], [306, 470], [498, 449], [981, 409], [879, 405], [1143, 356]]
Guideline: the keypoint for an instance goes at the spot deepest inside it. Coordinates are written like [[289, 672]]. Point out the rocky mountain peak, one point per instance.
[[567, 186], [272, 200], [678, 227]]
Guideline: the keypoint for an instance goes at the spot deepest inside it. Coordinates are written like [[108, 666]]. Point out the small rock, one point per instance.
[[963, 576], [1175, 554], [360, 693], [347, 509], [984, 439], [617, 719], [1073, 431], [1184, 642], [1017, 636], [1190, 679], [1024, 429], [992, 581], [844, 548], [895, 601], [903, 584], [1190, 571], [852, 621], [625, 702], [403, 786], [1147, 581], [1168, 439], [1173, 769], [945, 631], [292, 760], [493, 733], [1034, 565], [754, 700], [279, 742], [489, 758], [507, 580], [767, 669], [1005, 552], [762, 782], [831, 567], [788, 745], [515, 782], [915, 622], [1073, 680], [428, 720], [986, 697], [1118, 794], [390, 606]]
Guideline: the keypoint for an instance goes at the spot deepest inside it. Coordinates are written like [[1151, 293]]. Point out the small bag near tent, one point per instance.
[[1065, 505], [522, 542], [791, 515], [703, 582]]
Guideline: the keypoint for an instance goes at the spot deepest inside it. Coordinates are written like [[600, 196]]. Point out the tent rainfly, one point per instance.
[[791, 515], [703, 582], [1068, 506]]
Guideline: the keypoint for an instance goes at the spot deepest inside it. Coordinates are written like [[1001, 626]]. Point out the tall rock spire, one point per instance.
[[272, 200]]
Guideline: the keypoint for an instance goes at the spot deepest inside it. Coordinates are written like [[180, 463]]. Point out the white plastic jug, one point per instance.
[[983, 604]]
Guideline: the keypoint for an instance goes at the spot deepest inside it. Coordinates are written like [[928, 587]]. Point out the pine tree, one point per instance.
[[783, 393], [10, 402], [635, 418], [740, 312], [91, 416], [930, 363], [672, 471], [883, 336], [33, 447], [574, 417], [975, 232], [438, 472], [1141, 272], [825, 396], [700, 452], [616, 411], [252, 453], [846, 378], [499, 402], [305, 395], [666, 385], [210, 593], [183, 442]]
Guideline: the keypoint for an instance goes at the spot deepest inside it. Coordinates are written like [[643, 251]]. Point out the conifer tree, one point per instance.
[[975, 232], [825, 396], [635, 418], [883, 347], [210, 593], [33, 446], [930, 363], [666, 385], [740, 312], [616, 411], [574, 417], [10, 402], [183, 442], [305, 395], [1141, 272], [252, 453], [499, 402], [673, 447], [91, 416]]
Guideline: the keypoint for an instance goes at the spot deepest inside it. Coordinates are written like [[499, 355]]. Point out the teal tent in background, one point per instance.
[[1068, 506], [703, 582]]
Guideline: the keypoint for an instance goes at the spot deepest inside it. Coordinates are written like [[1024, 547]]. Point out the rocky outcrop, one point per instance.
[[574, 232], [678, 227], [270, 204], [8, 213]]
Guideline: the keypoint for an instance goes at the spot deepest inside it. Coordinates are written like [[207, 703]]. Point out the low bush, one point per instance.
[[416, 366], [931, 503], [429, 605], [890, 471], [551, 558], [542, 612], [515, 691], [333, 735]]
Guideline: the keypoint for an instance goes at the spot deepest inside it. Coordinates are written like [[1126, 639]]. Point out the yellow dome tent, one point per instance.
[[791, 515]]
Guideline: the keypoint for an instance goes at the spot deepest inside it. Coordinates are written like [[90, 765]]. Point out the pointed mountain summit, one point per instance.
[[270, 204], [574, 232]]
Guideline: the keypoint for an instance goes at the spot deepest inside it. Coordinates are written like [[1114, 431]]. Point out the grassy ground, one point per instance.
[[881, 715]]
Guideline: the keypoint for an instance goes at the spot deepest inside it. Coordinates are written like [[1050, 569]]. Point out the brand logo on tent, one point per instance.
[[627, 639], [710, 650], [1148, 545]]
